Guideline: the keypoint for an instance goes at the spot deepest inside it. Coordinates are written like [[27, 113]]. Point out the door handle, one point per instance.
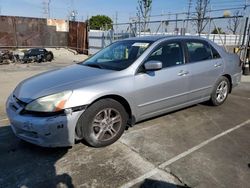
[[218, 65], [183, 73]]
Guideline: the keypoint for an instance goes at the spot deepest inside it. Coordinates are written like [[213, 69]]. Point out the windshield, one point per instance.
[[118, 56]]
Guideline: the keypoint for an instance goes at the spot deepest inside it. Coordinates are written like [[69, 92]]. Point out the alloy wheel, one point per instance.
[[106, 124], [222, 91]]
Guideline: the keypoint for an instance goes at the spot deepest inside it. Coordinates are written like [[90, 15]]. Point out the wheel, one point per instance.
[[102, 123], [39, 59], [49, 57], [220, 91]]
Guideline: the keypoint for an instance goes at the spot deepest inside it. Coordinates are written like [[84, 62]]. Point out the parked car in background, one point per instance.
[[127, 82], [6, 56], [37, 55], [18, 55]]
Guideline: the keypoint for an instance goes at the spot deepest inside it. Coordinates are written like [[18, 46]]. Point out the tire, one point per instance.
[[39, 59], [102, 123], [220, 91], [49, 56]]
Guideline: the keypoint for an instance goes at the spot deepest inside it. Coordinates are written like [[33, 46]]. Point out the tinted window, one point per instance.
[[34, 51], [170, 54], [198, 51]]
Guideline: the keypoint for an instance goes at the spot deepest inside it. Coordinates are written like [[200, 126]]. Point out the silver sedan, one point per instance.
[[128, 81]]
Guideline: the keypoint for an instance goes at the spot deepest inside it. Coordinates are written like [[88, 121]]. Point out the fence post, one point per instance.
[[209, 28], [245, 31], [14, 31], [225, 39]]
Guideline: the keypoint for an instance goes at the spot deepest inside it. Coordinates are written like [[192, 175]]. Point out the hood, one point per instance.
[[56, 81]]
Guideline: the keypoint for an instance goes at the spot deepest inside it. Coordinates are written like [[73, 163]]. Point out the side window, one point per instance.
[[41, 51], [215, 53], [170, 54], [198, 51], [33, 52]]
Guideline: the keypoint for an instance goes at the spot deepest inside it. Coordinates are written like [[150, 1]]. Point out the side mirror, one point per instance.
[[153, 65]]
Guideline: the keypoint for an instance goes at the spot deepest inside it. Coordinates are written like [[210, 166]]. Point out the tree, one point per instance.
[[200, 15], [143, 12], [233, 23], [217, 30], [100, 22]]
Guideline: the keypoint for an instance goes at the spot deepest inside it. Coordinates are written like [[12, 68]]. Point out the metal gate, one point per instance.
[[78, 37]]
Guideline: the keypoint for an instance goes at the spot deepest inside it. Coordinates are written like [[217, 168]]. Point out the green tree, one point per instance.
[[217, 30], [100, 22]]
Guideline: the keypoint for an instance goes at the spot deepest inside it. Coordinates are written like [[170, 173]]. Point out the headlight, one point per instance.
[[51, 103]]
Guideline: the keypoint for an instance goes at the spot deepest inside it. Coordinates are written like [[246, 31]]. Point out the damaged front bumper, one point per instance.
[[47, 131]]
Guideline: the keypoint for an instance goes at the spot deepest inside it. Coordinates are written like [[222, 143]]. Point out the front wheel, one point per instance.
[[102, 123], [220, 91]]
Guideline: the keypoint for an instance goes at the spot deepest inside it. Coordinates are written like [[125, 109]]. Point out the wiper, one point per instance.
[[93, 65]]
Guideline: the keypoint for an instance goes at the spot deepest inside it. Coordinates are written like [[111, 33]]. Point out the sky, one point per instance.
[[86, 8], [60, 8]]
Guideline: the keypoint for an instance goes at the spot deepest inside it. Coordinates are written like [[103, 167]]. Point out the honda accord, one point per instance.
[[129, 81]]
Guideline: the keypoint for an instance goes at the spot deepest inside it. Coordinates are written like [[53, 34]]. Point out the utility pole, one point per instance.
[[139, 15], [176, 24], [246, 8], [46, 8], [188, 13], [116, 21], [73, 13]]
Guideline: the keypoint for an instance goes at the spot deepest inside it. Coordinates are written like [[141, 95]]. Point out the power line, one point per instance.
[[213, 10]]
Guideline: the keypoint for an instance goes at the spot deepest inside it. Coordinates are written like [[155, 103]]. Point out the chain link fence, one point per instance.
[[217, 29]]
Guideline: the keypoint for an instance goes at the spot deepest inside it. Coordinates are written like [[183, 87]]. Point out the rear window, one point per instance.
[[198, 51]]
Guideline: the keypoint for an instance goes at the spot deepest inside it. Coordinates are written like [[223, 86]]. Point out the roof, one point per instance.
[[158, 37]]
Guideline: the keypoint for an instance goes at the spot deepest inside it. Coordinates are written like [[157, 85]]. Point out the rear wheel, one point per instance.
[[220, 91], [49, 57], [102, 123]]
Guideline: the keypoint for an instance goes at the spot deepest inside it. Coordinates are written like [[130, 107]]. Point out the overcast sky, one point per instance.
[[124, 8]]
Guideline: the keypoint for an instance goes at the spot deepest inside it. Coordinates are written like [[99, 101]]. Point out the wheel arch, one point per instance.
[[230, 81]]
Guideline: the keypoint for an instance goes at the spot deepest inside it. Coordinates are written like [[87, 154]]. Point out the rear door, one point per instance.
[[157, 91], [204, 66]]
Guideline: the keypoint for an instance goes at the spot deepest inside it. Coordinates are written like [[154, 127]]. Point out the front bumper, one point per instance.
[[53, 131]]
